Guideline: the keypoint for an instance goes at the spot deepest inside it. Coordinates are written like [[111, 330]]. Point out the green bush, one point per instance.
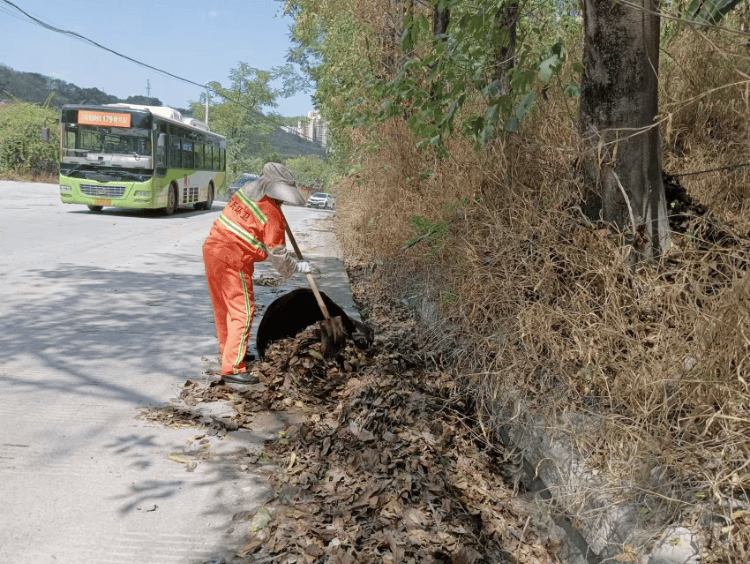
[[22, 152], [313, 171]]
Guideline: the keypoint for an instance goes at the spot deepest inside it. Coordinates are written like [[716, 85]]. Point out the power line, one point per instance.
[[80, 37]]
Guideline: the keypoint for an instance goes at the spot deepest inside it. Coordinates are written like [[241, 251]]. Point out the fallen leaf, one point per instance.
[[176, 457], [414, 519], [396, 550], [261, 519], [465, 555]]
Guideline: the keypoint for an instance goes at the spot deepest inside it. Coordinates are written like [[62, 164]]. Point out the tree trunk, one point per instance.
[[619, 102], [505, 54], [440, 21]]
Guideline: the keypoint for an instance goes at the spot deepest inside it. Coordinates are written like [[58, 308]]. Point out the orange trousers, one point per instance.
[[232, 298]]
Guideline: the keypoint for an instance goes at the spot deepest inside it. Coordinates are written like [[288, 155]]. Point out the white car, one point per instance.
[[320, 200]]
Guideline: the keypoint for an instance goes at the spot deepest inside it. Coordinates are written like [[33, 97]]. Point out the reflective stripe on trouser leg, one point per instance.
[[249, 319]]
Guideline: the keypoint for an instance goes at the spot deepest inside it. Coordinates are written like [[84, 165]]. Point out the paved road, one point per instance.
[[101, 315]]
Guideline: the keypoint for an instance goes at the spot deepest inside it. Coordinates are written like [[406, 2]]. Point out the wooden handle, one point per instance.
[[314, 287]]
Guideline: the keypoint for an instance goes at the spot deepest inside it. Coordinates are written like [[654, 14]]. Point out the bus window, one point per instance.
[[161, 150], [175, 152], [89, 140], [217, 158], [198, 155], [187, 153]]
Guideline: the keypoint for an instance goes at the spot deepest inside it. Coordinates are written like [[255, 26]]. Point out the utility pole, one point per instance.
[[148, 90], [207, 103]]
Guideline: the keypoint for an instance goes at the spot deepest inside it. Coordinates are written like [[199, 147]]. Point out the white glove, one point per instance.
[[303, 267]]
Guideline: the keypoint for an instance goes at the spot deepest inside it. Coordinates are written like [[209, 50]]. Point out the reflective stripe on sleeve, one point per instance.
[[260, 216], [241, 233]]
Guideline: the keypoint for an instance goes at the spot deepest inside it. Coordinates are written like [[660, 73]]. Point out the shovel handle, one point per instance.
[[314, 287]]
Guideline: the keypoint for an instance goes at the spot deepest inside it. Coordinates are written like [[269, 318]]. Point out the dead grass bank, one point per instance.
[[540, 311]]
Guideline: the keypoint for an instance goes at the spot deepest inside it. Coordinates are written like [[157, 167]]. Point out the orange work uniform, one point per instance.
[[240, 237]]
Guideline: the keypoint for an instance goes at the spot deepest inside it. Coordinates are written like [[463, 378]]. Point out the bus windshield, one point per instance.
[[83, 143]]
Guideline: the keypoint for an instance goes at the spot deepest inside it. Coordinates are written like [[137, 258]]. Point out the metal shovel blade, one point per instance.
[[332, 335]]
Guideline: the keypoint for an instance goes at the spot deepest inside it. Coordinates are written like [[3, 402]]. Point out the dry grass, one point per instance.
[[29, 177], [540, 308], [706, 113]]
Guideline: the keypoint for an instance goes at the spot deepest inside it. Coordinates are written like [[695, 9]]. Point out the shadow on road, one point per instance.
[[151, 214], [96, 328]]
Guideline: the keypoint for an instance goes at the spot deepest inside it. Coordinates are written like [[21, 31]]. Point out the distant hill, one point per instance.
[[290, 145], [36, 88]]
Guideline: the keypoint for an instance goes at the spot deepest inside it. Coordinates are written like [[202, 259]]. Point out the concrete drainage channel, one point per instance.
[[605, 528], [593, 524]]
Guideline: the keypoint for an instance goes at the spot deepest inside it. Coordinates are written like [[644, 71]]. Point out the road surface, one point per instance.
[[102, 314]]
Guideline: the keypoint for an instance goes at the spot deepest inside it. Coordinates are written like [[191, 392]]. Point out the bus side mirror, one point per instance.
[[46, 137]]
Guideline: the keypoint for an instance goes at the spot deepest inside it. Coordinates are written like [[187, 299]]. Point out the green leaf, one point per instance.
[[491, 114], [477, 22], [512, 124], [423, 26], [572, 89], [526, 105], [493, 88], [710, 11], [407, 43], [548, 67]]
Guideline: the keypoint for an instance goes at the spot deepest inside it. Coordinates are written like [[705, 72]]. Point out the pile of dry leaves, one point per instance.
[[386, 467]]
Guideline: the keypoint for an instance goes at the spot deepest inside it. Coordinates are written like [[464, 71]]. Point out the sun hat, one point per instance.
[[277, 182]]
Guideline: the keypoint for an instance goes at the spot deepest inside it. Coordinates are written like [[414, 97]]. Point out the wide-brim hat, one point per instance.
[[276, 182]]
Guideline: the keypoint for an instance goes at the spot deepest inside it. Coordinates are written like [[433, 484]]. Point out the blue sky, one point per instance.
[[197, 40]]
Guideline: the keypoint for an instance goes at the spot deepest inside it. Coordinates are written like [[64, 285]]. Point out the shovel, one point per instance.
[[331, 328]]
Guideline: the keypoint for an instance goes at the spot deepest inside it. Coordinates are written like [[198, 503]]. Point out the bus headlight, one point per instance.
[[64, 188], [143, 194]]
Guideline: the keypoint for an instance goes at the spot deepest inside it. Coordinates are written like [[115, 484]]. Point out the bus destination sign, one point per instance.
[[86, 117]]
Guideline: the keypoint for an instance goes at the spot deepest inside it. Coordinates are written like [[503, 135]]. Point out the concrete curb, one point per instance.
[[604, 527]]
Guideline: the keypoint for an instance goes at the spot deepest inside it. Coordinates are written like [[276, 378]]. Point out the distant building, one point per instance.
[[314, 130]]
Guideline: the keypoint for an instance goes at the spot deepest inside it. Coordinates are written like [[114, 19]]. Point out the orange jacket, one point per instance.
[[245, 231]]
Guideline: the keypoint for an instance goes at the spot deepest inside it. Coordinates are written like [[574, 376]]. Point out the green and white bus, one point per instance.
[[131, 156]]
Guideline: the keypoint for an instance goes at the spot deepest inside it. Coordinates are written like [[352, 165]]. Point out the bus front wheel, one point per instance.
[[96, 208], [171, 200]]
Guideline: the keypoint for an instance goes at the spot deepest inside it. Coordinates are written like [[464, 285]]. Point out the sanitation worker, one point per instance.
[[249, 230]]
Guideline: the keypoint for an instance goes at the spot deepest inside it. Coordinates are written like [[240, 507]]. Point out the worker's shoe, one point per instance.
[[243, 378]]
